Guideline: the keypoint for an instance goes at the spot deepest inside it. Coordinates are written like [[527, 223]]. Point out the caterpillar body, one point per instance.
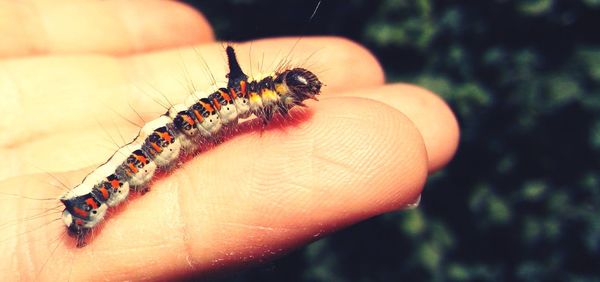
[[162, 141]]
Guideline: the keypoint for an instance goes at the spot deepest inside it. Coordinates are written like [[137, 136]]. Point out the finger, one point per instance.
[[41, 102], [109, 27], [430, 114], [252, 197]]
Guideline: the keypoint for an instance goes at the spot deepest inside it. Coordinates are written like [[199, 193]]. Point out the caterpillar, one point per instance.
[[179, 131]]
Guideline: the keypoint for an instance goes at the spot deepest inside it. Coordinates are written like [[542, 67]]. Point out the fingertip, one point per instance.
[[355, 65], [430, 114], [393, 169], [436, 120]]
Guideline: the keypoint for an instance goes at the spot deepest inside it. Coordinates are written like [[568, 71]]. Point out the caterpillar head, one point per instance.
[[299, 84]]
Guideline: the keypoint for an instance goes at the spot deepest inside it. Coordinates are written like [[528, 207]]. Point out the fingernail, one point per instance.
[[414, 204]]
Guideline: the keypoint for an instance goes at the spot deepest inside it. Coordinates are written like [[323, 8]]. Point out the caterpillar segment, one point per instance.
[[206, 116], [112, 187], [159, 141], [241, 99], [185, 127], [225, 105], [138, 168], [180, 130]]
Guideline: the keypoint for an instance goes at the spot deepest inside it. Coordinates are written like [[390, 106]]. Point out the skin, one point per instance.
[[69, 72]]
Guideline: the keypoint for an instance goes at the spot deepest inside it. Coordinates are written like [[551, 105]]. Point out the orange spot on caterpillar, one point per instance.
[[91, 202], [166, 136], [104, 192], [217, 105], [188, 119], [243, 87], [80, 213], [156, 147], [141, 158], [225, 95], [132, 167], [198, 116], [207, 106]]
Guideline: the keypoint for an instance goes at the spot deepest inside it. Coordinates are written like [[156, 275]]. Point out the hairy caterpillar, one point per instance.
[[160, 142]]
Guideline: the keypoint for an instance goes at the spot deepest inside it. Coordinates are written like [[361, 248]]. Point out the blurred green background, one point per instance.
[[520, 200]]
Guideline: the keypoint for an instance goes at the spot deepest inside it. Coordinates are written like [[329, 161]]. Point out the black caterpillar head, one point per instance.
[[302, 84]]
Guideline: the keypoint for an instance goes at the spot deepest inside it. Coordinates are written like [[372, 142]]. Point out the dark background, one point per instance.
[[520, 200]]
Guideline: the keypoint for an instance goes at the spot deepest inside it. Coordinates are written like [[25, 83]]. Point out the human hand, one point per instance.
[[364, 149]]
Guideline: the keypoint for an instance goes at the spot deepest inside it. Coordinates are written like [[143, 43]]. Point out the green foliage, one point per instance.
[[521, 199]]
